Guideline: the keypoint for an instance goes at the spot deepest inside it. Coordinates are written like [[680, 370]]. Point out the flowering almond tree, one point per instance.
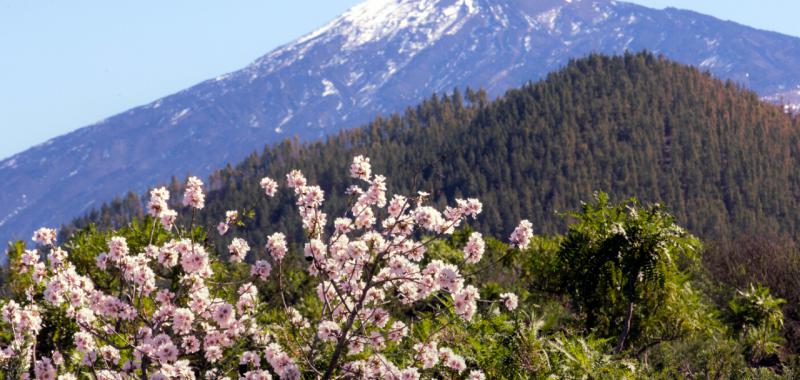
[[170, 318]]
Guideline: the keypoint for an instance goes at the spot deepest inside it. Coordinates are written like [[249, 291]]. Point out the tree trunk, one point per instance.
[[626, 329]]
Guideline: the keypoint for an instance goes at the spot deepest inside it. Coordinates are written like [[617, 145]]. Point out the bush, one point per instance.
[[625, 267]]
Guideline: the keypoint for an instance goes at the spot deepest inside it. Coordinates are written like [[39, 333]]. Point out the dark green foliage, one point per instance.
[[620, 264], [756, 307], [757, 316], [636, 124]]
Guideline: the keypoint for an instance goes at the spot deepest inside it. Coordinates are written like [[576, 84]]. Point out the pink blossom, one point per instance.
[[251, 358], [283, 365], [276, 244], [328, 331], [222, 228], [168, 255], [261, 269], [509, 300], [521, 236], [364, 215], [109, 354], [193, 195], [397, 206], [295, 180], [167, 353], [168, 218], [465, 302], [470, 207], [44, 236], [376, 193], [44, 369], [476, 375], [117, 248], [343, 225], [269, 185], [473, 250], [231, 216], [316, 250], [451, 360], [310, 196], [360, 168], [190, 344], [427, 353], [409, 374], [182, 320], [83, 341], [158, 202], [101, 261], [164, 296], [238, 250], [195, 260], [224, 315], [257, 375], [398, 331], [428, 218], [29, 257], [213, 353], [449, 278]]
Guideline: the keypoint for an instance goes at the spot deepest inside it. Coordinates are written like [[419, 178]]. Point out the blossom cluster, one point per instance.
[[157, 207], [193, 195], [166, 318]]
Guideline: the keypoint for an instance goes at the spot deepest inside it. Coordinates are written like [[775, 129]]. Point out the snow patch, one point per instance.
[[178, 116], [391, 68], [254, 121], [330, 89], [286, 119], [15, 211], [710, 61], [353, 77], [497, 12], [628, 43], [575, 27], [9, 163], [548, 18]]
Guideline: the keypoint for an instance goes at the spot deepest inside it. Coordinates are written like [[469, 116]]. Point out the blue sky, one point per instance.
[[67, 64]]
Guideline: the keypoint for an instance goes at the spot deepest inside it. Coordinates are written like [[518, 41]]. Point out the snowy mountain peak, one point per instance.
[[376, 20]]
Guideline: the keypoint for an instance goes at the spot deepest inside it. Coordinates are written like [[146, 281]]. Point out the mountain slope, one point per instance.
[[377, 58], [722, 161]]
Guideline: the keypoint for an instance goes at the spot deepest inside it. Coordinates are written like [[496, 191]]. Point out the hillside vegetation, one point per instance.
[[721, 162], [620, 296]]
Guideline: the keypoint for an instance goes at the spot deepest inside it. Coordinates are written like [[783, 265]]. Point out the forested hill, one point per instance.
[[635, 125]]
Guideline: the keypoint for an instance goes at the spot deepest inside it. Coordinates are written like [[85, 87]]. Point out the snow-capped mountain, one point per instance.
[[378, 57]]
